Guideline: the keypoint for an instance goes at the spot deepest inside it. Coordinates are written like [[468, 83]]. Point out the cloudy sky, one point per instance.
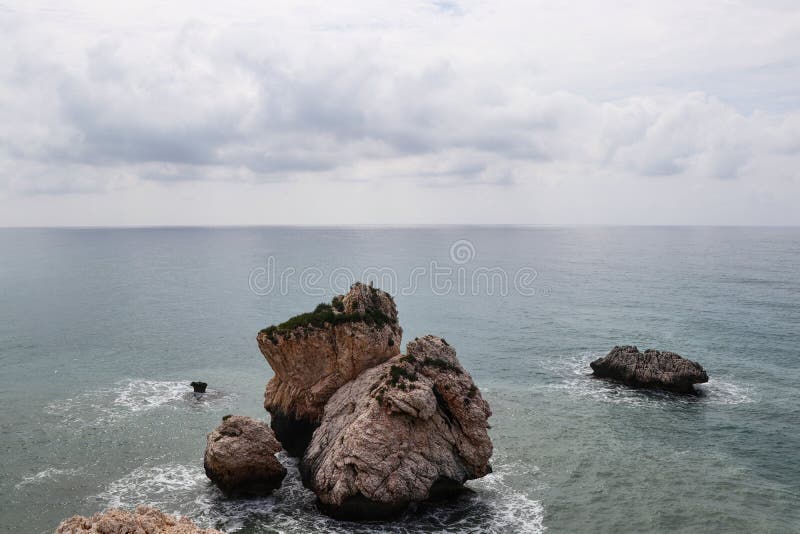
[[211, 113]]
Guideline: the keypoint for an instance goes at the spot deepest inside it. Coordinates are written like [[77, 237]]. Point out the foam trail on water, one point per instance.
[[132, 397], [46, 475], [142, 395], [180, 489]]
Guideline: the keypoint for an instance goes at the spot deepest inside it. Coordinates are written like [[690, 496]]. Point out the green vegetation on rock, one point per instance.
[[441, 364], [325, 314]]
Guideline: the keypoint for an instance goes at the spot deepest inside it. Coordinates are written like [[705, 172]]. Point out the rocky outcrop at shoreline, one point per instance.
[[410, 429], [145, 520], [650, 369], [315, 353], [240, 457]]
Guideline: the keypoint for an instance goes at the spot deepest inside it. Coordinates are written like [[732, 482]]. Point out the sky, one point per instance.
[[417, 112]]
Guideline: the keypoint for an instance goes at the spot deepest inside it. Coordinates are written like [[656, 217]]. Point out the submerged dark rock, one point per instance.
[[199, 387], [650, 369], [293, 433]]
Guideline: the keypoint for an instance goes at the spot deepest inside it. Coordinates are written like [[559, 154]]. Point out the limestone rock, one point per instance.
[[410, 429], [650, 369], [315, 353], [145, 520], [240, 457]]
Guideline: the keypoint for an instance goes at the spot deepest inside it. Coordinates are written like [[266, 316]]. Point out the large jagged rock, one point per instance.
[[650, 369], [410, 429], [314, 354], [240, 457], [145, 520]]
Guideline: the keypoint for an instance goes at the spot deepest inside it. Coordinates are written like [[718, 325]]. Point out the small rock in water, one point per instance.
[[240, 457], [650, 369], [199, 387]]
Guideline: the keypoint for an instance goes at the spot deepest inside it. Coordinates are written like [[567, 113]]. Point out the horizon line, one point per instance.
[[389, 226]]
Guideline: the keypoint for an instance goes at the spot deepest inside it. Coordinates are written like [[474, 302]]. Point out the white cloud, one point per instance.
[[526, 98]]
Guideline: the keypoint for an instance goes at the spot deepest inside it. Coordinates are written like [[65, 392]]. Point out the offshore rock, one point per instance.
[[145, 520], [199, 387], [410, 429], [315, 353], [240, 457], [650, 369]]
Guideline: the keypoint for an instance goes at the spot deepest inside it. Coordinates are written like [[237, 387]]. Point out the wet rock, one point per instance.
[[315, 353], [199, 387], [410, 429], [650, 369], [240, 457], [145, 520]]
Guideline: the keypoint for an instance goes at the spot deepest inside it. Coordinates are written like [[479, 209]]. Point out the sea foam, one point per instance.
[[46, 475], [495, 507], [576, 378], [132, 397]]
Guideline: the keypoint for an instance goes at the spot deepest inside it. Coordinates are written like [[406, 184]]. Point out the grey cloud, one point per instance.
[[213, 101]]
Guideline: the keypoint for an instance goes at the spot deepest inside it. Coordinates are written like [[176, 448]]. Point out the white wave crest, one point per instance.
[[163, 486], [131, 397], [726, 392], [142, 395], [46, 475]]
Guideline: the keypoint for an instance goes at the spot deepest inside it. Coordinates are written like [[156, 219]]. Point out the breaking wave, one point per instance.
[[46, 475], [495, 507], [131, 397], [577, 379]]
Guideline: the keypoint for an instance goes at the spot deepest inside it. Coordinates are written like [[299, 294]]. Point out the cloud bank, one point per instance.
[[516, 99]]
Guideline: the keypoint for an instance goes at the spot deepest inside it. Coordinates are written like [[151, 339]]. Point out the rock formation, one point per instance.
[[199, 387], [410, 429], [315, 353], [240, 457], [145, 520], [650, 369]]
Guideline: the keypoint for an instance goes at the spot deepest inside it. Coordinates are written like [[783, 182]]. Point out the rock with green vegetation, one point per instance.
[[315, 353], [410, 429]]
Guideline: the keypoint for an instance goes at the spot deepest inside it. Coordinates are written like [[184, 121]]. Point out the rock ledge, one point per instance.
[[145, 520]]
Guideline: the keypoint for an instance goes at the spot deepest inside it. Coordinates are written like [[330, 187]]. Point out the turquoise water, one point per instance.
[[101, 330]]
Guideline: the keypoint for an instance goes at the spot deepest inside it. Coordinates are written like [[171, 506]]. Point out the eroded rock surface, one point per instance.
[[240, 457], [145, 520], [315, 353], [650, 369], [410, 429]]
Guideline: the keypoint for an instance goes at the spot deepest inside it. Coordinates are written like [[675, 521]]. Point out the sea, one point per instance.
[[102, 330]]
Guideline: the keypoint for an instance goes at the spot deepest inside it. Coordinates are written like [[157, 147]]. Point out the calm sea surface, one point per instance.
[[101, 330]]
